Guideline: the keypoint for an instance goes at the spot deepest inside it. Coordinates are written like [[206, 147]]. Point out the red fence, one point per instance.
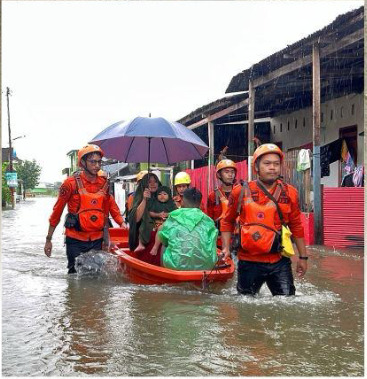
[[343, 216], [200, 180]]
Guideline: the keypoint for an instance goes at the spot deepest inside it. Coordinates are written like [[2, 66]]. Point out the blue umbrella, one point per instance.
[[145, 139]]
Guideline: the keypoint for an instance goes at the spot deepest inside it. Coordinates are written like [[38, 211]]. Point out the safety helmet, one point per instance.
[[182, 178], [225, 163], [87, 149], [267, 148], [140, 175]]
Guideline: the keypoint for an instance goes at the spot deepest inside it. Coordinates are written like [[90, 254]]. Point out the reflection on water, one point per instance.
[[97, 323]]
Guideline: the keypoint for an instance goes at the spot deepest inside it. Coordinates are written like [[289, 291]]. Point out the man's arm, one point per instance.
[[302, 263], [65, 192], [226, 241], [114, 210], [227, 223], [48, 245]]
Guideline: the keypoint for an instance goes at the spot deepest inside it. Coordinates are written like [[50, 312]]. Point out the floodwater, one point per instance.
[[59, 325]]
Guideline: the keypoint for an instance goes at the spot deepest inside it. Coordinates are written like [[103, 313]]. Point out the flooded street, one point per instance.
[[59, 325]]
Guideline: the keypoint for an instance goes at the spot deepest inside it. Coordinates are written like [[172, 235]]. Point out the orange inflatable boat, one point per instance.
[[140, 272]]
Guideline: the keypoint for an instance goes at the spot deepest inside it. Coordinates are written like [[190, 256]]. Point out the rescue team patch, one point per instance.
[[256, 236], [64, 191], [94, 202], [261, 215]]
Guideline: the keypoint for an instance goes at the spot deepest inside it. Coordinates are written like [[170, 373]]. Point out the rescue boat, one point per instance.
[[140, 272]]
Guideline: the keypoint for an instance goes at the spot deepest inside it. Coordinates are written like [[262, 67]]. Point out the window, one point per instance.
[[322, 117], [352, 109], [274, 129], [341, 112], [281, 127], [295, 124], [288, 125], [304, 121], [331, 114]]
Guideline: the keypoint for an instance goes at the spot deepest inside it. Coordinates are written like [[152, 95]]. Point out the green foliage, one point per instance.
[[29, 172], [5, 195]]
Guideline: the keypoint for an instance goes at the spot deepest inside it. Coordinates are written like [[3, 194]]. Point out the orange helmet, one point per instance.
[[267, 148], [87, 149], [140, 175], [225, 163]]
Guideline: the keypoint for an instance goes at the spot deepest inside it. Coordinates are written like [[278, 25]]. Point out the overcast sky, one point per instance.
[[75, 68]]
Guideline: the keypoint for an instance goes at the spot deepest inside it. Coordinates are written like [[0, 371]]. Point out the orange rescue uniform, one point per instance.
[[215, 210], [288, 203], [68, 194]]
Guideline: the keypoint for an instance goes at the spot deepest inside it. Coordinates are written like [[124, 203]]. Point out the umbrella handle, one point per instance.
[[149, 139]]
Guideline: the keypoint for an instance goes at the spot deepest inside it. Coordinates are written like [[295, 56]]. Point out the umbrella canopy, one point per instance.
[[145, 139]]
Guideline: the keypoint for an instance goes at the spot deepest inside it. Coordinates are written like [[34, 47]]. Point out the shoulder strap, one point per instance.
[[78, 180], [217, 196], [274, 199], [244, 185]]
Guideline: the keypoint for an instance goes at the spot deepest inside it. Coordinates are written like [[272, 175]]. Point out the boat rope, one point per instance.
[[205, 280]]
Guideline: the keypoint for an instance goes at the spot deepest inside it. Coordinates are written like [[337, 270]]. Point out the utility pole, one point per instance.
[[316, 122], [10, 149], [250, 128]]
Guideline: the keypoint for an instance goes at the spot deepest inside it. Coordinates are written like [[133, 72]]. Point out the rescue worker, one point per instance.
[[259, 257], [89, 204], [182, 181], [218, 199]]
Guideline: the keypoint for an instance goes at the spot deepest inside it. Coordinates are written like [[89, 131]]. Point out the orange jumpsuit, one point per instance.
[[68, 194], [289, 205]]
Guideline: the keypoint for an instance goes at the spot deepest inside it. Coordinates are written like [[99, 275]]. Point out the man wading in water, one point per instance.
[[89, 203], [259, 254]]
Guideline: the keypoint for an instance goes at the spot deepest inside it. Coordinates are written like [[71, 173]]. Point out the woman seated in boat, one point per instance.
[[159, 209], [189, 235], [141, 223]]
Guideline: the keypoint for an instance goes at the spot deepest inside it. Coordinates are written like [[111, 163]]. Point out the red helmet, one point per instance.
[[267, 148], [87, 149]]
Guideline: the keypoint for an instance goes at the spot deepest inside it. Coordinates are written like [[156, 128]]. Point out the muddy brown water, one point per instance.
[[59, 325]]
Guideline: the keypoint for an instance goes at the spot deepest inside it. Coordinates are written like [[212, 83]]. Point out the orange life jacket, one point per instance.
[[259, 234], [220, 197], [92, 215], [130, 201]]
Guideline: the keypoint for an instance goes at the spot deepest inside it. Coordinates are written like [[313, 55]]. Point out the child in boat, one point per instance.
[[189, 235], [158, 211]]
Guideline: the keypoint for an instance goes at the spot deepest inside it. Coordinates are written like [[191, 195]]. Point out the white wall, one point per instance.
[[340, 110]]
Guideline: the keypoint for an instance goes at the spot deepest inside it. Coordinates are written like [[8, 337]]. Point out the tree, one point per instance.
[[29, 172], [5, 195]]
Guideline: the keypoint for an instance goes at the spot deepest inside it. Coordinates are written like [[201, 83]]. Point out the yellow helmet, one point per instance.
[[141, 175], [182, 178]]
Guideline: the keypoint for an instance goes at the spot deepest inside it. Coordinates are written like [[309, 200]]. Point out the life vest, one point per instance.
[[130, 201], [220, 197], [91, 213], [258, 232]]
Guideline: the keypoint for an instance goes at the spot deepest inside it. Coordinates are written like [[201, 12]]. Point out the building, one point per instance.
[[307, 96]]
